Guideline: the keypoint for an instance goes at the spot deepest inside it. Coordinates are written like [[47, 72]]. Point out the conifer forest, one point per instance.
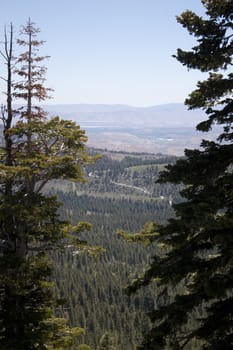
[[116, 250]]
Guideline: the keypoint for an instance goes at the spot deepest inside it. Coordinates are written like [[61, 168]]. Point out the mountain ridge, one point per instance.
[[163, 115], [165, 128]]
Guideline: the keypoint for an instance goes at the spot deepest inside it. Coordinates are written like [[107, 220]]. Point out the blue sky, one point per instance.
[[109, 51]]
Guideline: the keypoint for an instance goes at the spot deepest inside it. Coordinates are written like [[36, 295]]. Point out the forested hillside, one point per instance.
[[121, 193]]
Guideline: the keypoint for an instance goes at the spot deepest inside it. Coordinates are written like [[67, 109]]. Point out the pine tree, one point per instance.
[[36, 150], [193, 264], [106, 342]]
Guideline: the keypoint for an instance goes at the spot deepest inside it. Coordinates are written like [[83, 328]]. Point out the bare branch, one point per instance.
[[2, 54]]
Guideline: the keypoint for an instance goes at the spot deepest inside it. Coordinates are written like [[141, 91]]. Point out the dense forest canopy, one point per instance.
[[119, 186]]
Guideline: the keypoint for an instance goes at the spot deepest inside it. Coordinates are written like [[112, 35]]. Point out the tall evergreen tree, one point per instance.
[[36, 150], [193, 266]]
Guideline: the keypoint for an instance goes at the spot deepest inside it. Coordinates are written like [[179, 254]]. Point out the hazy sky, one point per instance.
[[109, 51]]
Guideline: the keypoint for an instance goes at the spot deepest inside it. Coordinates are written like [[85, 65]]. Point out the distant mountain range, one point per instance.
[[167, 115], [167, 129]]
